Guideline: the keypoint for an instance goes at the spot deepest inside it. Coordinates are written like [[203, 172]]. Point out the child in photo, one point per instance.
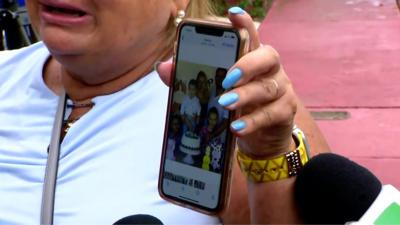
[[217, 155], [211, 142], [206, 159], [190, 108], [179, 95], [217, 91], [174, 136], [207, 133]]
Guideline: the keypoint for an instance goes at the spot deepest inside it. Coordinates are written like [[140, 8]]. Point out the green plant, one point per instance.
[[256, 8]]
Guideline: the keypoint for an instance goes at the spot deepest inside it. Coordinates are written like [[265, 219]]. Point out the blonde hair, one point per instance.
[[195, 9], [200, 9]]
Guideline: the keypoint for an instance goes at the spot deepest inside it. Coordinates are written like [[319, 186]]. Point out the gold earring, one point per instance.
[[179, 18]]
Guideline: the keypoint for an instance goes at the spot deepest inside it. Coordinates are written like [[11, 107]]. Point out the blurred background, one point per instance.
[[343, 57], [15, 28]]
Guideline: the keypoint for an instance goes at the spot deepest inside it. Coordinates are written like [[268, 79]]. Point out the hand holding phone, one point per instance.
[[267, 104], [198, 174]]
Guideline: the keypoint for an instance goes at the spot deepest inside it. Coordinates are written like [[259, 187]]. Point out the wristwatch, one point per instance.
[[277, 168]]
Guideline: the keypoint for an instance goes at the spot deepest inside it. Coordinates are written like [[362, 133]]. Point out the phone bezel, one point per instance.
[[227, 167]]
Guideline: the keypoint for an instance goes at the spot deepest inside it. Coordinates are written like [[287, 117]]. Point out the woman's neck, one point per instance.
[[57, 78], [210, 128], [78, 90]]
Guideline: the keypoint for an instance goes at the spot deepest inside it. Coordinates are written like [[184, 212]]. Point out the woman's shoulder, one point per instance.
[[23, 68], [23, 55]]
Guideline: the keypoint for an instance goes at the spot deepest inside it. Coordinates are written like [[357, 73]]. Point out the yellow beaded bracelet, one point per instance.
[[277, 168]]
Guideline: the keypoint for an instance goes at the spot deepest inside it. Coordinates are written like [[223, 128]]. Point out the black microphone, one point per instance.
[[331, 189], [139, 219]]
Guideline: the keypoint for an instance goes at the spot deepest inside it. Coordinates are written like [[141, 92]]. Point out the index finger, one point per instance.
[[241, 19], [164, 70]]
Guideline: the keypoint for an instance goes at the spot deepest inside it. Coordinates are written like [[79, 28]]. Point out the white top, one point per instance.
[[190, 106], [109, 161]]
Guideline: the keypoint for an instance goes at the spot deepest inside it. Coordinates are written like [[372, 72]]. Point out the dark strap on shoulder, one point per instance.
[[50, 178]]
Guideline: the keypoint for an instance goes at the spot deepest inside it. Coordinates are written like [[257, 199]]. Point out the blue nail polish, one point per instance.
[[236, 10], [228, 99], [238, 125], [232, 78]]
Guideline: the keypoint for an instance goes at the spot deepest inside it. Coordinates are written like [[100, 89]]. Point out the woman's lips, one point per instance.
[[65, 15], [64, 11]]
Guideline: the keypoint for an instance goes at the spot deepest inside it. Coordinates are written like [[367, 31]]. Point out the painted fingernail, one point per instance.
[[236, 10], [232, 78], [228, 99], [238, 125]]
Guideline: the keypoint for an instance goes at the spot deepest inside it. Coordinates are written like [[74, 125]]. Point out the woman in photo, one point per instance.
[[203, 93]]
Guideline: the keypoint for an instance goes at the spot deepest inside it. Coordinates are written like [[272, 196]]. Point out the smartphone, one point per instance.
[[198, 145]]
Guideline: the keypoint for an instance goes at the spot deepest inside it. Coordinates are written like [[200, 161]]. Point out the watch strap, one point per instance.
[[279, 167]]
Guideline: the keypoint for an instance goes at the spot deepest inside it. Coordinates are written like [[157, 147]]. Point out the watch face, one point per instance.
[[297, 132]]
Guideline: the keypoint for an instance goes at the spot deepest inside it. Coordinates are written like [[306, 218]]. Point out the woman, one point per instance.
[[203, 93], [102, 53]]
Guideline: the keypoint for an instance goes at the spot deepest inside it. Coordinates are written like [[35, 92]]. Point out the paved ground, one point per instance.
[[344, 55]]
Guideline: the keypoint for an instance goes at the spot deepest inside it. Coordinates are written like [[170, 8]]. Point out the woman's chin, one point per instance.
[[63, 43], [63, 48]]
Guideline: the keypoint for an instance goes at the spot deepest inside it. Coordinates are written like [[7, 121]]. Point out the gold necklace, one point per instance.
[[67, 124]]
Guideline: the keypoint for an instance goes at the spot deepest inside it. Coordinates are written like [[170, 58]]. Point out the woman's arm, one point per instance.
[[306, 123], [269, 109], [277, 203], [268, 132], [274, 202]]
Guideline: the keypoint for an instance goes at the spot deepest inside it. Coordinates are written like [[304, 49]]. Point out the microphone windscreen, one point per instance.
[[331, 189], [139, 219]]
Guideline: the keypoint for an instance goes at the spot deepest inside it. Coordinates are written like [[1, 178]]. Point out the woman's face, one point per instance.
[[102, 33], [219, 77], [201, 79]]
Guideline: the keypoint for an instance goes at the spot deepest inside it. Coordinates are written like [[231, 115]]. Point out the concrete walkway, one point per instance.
[[344, 56]]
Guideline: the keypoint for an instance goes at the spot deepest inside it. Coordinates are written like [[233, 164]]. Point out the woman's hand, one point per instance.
[[261, 94], [266, 103]]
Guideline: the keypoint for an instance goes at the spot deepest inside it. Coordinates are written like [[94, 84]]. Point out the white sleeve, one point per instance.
[[184, 105]]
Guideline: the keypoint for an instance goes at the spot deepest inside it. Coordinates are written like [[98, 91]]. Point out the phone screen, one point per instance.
[[198, 137]]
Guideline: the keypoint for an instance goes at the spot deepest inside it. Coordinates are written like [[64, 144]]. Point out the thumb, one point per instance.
[[164, 70], [241, 19]]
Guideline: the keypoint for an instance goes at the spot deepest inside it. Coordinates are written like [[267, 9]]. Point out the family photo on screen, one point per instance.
[[198, 125]]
